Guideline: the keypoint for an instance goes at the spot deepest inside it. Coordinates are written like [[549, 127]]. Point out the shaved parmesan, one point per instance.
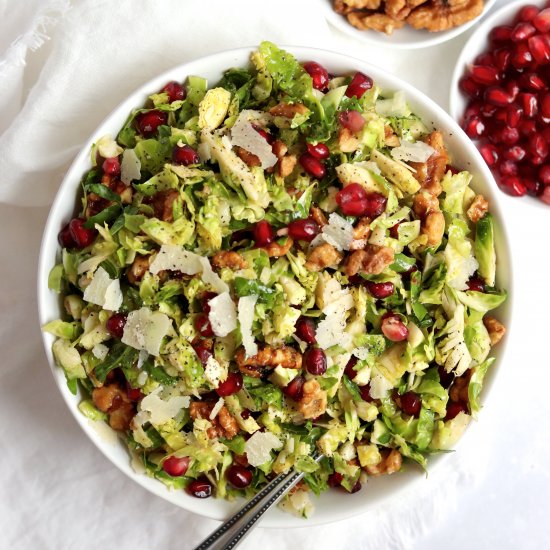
[[142, 357], [412, 152], [161, 411], [214, 372], [338, 232], [258, 448], [246, 316], [244, 135], [211, 278], [100, 351], [216, 409], [104, 291], [130, 167], [222, 315], [145, 329], [107, 147], [331, 332]]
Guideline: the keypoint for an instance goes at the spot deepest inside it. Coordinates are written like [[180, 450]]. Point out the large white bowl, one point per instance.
[[405, 38], [337, 505]]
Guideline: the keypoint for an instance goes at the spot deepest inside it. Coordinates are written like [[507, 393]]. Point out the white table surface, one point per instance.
[[59, 492]]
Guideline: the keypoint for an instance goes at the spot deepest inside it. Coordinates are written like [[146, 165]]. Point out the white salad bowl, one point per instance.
[[329, 507], [405, 38]]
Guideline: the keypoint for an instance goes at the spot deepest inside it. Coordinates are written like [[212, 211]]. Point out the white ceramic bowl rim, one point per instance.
[[337, 506]]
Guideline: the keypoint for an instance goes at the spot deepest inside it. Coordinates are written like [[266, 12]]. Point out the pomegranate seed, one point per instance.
[[453, 409], [527, 13], [530, 105], [81, 236], [514, 115], [488, 110], [500, 34], [380, 290], [266, 135], [490, 155], [319, 75], [508, 168], [134, 394], [352, 200], [527, 127], [202, 352], [115, 325], [475, 128], [539, 47], [536, 160], [445, 378], [360, 83], [497, 96], [485, 58], [315, 361], [469, 87], [476, 284], [356, 487], [502, 58], [263, 233], [394, 231], [515, 153], [64, 237], [544, 174], [176, 467], [335, 479], [541, 21], [203, 326], [295, 389], [532, 81], [545, 195], [545, 105], [185, 155], [522, 31], [533, 186], [521, 56], [393, 328], [245, 413], [352, 120], [484, 74], [411, 403], [513, 186], [239, 476], [376, 205], [205, 301], [508, 135], [314, 167], [365, 393], [513, 89], [349, 371], [305, 330], [501, 115], [303, 230], [148, 123], [231, 385], [175, 91], [111, 166], [200, 488], [318, 150], [538, 146], [474, 108]]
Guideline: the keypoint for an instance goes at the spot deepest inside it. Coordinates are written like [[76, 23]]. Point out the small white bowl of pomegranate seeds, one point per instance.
[[500, 94]]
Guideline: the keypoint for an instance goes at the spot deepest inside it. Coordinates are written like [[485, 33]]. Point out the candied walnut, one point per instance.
[[377, 22], [324, 255], [390, 137], [163, 204], [478, 208], [361, 233], [288, 110], [95, 204], [229, 258], [314, 400], [390, 463], [227, 423], [318, 215], [223, 425], [372, 260], [286, 165], [250, 159], [344, 7], [426, 207], [114, 401], [459, 388], [138, 269], [441, 15], [279, 148], [495, 329], [268, 357], [430, 173], [275, 250], [125, 192], [347, 142]]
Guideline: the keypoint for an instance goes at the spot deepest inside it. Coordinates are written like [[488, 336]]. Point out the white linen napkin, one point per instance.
[[98, 52]]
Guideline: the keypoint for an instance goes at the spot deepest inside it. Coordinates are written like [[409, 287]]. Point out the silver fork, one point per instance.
[[235, 529]]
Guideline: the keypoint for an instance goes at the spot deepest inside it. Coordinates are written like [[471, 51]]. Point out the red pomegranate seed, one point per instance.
[[411, 403], [500, 34], [245, 413], [527, 127], [318, 150], [527, 13], [134, 394], [539, 47], [530, 105], [111, 166], [376, 205], [487, 110], [513, 89], [513, 186], [476, 284], [202, 352], [350, 371], [545, 195], [82, 236], [500, 115], [205, 301], [541, 21], [305, 330], [335, 479], [489, 153], [485, 58], [360, 83], [508, 168], [175, 91], [453, 409], [502, 59], [315, 361], [536, 160], [231, 385], [263, 233], [521, 56], [380, 290], [264, 133], [203, 326], [352, 200], [475, 128], [393, 328], [522, 31], [515, 153], [185, 155], [64, 237], [509, 136], [200, 488], [445, 378], [533, 186], [497, 96], [303, 230], [544, 174], [148, 123], [469, 87], [176, 467], [394, 231], [352, 120], [314, 167], [239, 476], [532, 82], [115, 325], [356, 487], [294, 389], [514, 115], [484, 74], [474, 108], [319, 75], [365, 393], [538, 146], [545, 105]]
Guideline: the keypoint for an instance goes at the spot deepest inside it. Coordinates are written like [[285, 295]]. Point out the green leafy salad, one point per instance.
[[283, 264]]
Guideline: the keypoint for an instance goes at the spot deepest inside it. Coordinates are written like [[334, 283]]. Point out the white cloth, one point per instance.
[[58, 491]]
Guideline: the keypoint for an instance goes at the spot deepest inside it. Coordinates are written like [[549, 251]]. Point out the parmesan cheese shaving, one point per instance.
[[216, 409], [145, 329], [244, 135], [222, 315], [161, 411], [130, 167], [258, 447], [412, 152], [104, 291], [100, 351], [338, 232], [246, 316], [214, 372]]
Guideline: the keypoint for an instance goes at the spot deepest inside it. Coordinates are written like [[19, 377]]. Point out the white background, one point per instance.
[[58, 491]]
